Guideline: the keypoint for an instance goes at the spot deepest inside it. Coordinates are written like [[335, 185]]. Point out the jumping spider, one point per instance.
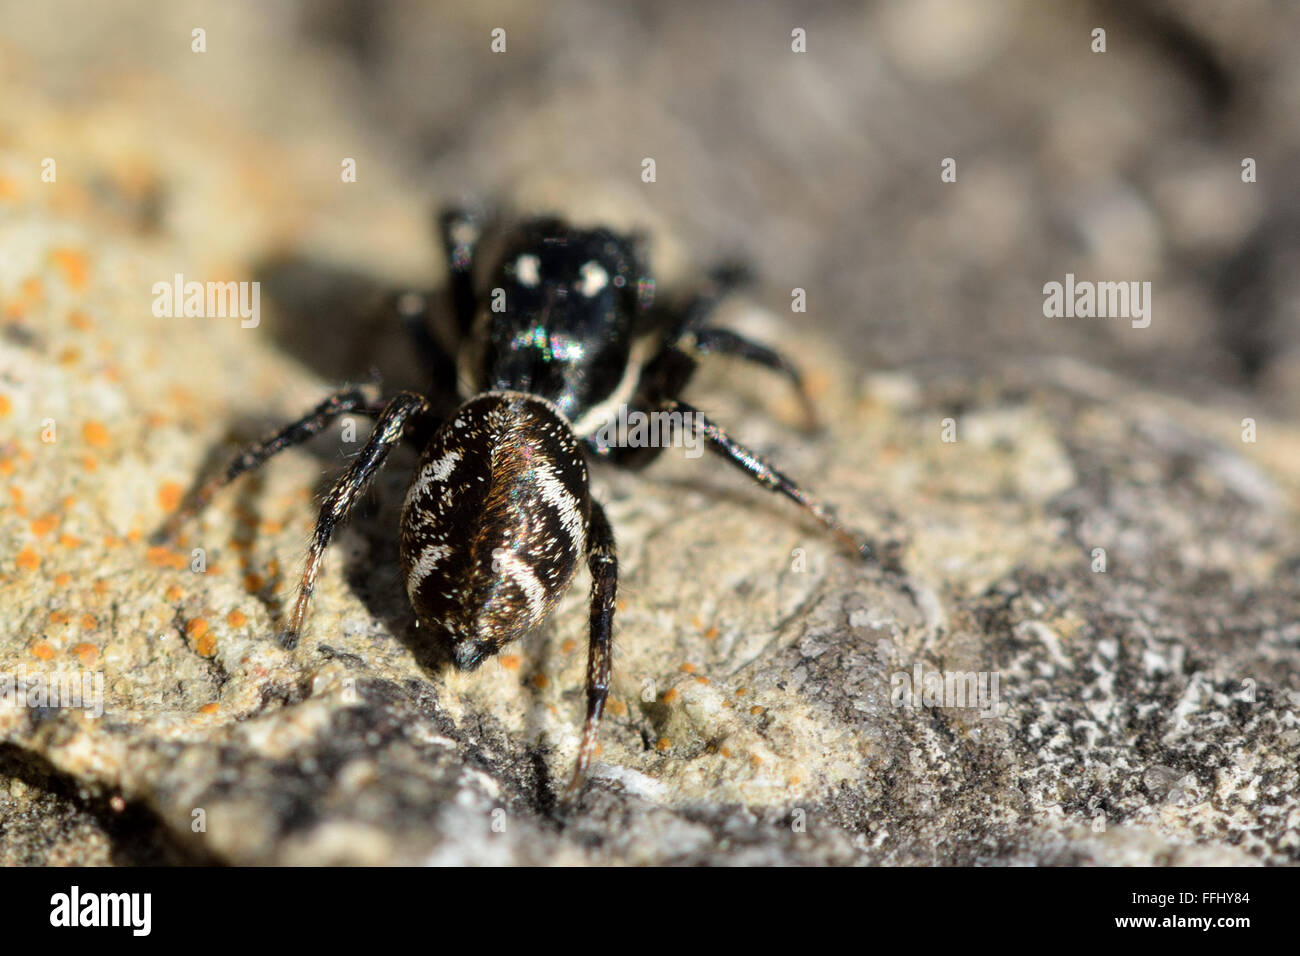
[[498, 513]]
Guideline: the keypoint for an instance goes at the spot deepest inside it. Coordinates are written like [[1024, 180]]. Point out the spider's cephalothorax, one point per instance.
[[564, 334]]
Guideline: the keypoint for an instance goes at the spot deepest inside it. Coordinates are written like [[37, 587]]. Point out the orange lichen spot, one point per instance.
[[510, 662], [236, 618], [663, 745], [6, 466], [169, 495], [180, 395], [756, 710], [209, 708], [73, 264], [670, 695], [6, 406], [43, 651], [795, 780], [621, 604], [206, 645], [702, 680], [569, 646], [196, 627], [271, 527], [88, 622], [90, 463], [253, 583], [100, 588], [94, 434], [541, 681], [273, 567], [725, 751], [70, 355], [711, 634], [111, 542], [58, 617], [173, 593], [742, 691], [162, 557], [688, 668], [8, 188], [16, 494], [69, 541], [62, 580], [134, 535], [80, 321], [755, 759], [86, 652], [617, 707], [32, 289], [28, 560], [43, 526]]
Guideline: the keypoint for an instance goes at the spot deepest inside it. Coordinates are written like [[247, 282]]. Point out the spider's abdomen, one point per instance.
[[495, 522]]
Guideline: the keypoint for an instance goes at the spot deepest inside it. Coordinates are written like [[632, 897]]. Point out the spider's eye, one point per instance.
[[593, 278], [528, 270]]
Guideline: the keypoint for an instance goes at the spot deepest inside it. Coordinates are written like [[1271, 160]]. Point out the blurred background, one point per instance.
[[822, 167]]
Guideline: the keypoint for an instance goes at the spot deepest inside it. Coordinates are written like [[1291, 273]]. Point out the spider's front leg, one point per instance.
[[603, 564], [692, 333], [347, 491], [256, 455], [460, 231]]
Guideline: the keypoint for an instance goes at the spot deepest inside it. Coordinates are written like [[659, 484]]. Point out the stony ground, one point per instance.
[[1074, 508]]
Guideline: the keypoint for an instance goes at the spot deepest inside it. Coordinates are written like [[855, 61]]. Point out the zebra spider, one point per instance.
[[498, 513]]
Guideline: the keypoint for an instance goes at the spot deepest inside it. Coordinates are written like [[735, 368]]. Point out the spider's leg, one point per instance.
[[723, 281], [255, 455], [413, 310], [460, 231], [763, 472], [690, 331], [347, 491], [603, 564], [719, 341]]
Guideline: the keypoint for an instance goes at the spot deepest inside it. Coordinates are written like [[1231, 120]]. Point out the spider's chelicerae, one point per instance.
[[498, 514]]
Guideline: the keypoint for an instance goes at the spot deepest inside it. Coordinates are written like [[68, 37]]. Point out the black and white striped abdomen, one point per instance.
[[495, 522]]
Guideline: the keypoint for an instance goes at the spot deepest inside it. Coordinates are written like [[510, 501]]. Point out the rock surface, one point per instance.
[[1073, 514]]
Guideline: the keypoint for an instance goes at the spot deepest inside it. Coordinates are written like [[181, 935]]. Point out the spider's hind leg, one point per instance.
[[603, 564], [762, 471]]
